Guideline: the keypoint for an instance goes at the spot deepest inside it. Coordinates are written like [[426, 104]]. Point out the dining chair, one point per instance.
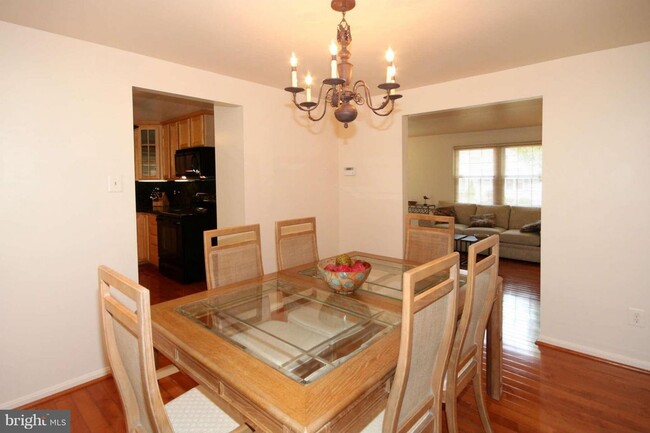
[[232, 254], [428, 237], [295, 242], [126, 321], [428, 322], [467, 352]]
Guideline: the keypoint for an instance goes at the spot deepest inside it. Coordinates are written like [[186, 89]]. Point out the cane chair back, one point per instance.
[[295, 242], [126, 322], [467, 352], [428, 322], [232, 255], [428, 237]]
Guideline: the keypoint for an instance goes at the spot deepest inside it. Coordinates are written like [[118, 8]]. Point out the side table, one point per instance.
[[421, 208], [462, 243]]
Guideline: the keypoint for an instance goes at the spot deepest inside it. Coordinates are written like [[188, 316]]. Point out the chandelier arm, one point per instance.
[[295, 102], [366, 91], [316, 119], [312, 106]]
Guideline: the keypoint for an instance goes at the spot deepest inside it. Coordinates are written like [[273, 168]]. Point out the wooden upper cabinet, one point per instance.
[[165, 157], [184, 133], [202, 130], [148, 149], [156, 145], [173, 147]]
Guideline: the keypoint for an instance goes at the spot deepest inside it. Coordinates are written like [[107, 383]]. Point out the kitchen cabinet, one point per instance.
[[143, 237], [147, 229], [169, 148], [173, 147], [156, 145], [194, 130], [152, 228], [202, 130], [148, 149], [184, 139]]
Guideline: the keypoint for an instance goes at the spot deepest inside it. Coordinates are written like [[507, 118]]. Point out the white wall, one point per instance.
[[430, 164], [596, 138], [65, 126]]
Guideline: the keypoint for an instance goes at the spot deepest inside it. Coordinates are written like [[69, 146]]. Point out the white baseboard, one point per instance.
[[54, 389], [632, 362]]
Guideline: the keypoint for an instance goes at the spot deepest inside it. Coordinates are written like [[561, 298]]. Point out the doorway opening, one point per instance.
[[462, 160], [175, 203]]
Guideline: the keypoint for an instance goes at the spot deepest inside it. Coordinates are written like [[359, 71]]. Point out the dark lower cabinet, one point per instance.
[[180, 245]]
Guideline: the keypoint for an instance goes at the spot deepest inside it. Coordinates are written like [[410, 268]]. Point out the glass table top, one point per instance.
[[301, 331], [386, 277]]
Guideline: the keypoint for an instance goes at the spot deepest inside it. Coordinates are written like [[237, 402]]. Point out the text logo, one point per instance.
[[36, 421]]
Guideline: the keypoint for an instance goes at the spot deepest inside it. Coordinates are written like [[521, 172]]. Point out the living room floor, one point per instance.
[[545, 390]]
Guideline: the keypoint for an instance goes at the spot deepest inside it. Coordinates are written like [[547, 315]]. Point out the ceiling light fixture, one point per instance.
[[342, 92]]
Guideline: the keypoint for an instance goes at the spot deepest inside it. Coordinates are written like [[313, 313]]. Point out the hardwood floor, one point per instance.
[[545, 390]]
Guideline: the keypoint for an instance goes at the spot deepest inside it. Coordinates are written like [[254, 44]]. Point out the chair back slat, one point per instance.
[[126, 320], [232, 254], [428, 237], [295, 242], [428, 321], [465, 362], [481, 287]]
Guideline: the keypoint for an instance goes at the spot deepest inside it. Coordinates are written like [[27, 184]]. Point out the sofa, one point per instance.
[[508, 222]]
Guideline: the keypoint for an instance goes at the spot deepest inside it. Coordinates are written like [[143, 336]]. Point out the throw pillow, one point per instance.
[[445, 211], [484, 220], [535, 227]]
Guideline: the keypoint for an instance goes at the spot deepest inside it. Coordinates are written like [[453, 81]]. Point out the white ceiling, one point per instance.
[[433, 40], [503, 115], [158, 107]]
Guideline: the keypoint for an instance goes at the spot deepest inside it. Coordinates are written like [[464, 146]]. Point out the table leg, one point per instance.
[[494, 345]]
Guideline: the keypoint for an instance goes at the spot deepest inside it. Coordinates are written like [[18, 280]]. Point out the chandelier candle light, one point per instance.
[[340, 91]]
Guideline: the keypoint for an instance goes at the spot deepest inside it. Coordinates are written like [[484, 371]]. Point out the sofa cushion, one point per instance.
[[463, 210], [520, 216], [535, 227], [501, 212], [483, 231], [460, 228], [514, 236], [484, 220], [445, 211]]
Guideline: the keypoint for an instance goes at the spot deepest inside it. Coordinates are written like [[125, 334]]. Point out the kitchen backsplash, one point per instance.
[[179, 194]]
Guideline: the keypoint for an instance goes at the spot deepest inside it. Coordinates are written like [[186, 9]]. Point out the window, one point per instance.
[[475, 175], [510, 174]]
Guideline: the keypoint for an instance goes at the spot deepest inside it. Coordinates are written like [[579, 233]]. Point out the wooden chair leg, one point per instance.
[[450, 406], [480, 401]]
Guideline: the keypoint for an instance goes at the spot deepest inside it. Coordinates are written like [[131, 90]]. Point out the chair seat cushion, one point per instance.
[[514, 236], [194, 412]]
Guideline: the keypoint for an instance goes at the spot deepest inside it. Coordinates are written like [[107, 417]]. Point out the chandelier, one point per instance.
[[339, 89]]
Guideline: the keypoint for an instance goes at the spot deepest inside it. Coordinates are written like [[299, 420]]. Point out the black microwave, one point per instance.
[[195, 162]]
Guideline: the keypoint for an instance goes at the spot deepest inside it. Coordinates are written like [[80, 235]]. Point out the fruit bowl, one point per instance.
[[344, 282]]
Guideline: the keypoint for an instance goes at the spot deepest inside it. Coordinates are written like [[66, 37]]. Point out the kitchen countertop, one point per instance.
[[174, 210]]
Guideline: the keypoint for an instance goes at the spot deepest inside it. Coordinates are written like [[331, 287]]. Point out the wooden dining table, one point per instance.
[[286, 354]]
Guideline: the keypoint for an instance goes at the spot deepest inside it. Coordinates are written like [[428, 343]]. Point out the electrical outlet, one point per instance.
[[636, 317]]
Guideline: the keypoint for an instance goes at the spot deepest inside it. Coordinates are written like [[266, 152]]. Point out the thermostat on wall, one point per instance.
[[349, 171]]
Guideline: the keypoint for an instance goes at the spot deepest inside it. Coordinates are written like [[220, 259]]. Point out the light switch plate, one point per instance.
[[349, 171], [114, 183]]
